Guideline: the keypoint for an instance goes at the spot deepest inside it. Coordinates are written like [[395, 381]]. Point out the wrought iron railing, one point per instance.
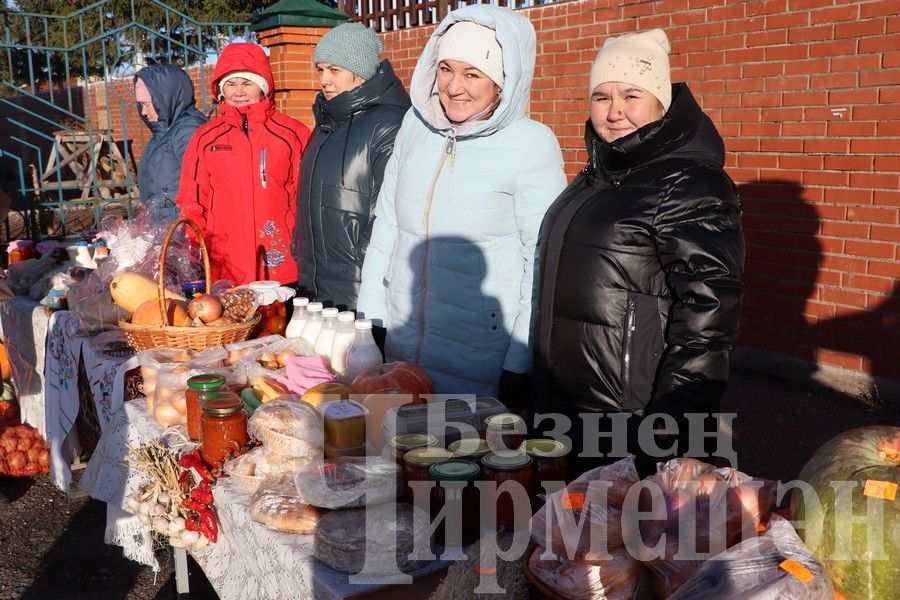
[[390, 15]]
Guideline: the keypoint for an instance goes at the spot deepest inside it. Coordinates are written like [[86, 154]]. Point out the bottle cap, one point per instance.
[[330, 312], [314, 307], [363, 324], [346, 316], [301, 301]]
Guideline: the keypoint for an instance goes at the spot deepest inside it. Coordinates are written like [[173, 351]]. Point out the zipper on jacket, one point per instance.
[[244, 126], [344, 149], [449, 151], [627, 342]]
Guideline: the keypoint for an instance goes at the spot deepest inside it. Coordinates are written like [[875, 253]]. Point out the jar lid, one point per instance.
[[509, 460], [454, 470], [408, 441], [363, 324], [205, 381], [330, 313], [314, 307], [264, 286], [504, 421], [301, 301], [223, 405], [426, 456], [469, 447], [544, 448], [346, 316]]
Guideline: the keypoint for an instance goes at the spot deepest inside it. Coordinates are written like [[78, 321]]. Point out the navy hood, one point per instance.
[[171, 91]]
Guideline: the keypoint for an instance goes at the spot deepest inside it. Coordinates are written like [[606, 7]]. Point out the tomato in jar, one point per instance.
[[223, 428], [510, 465], [197, 386], [455, 491], [416, 464], [548, 464]]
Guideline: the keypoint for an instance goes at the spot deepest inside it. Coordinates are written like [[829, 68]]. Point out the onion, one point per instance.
[[205, 307], [283, 356]]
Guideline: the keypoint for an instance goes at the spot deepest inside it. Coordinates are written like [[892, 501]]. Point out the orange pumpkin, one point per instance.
[[5, 367], [397, 375]]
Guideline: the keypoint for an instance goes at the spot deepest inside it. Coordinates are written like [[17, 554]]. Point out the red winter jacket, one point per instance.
[[246, 211]]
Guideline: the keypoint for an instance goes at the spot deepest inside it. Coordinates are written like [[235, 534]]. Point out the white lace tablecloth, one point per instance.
[[24, 324], [249, 562], [61, 393]]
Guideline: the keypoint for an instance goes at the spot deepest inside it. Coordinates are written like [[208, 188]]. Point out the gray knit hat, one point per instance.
[[351, 46]]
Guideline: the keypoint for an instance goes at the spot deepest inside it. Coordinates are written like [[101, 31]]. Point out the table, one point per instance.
[[248, 561], [45, 354]]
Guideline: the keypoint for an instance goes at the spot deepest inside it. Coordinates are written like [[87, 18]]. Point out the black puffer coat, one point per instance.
[[340, 176], [641, 261]]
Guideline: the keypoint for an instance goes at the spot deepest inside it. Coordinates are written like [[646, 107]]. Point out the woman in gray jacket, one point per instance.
[[358, 113]]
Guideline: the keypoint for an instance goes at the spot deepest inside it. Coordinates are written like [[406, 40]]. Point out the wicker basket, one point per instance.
[[145, 337]]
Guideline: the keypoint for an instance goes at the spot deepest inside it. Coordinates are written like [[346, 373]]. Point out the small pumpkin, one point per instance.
[[399, 375]]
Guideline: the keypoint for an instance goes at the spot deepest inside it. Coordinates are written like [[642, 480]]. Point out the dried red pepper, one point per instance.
[[208, 526]]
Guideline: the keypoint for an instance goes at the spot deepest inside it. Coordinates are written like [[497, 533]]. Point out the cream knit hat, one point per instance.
[[475, 44], [249, 76], [641, 59]]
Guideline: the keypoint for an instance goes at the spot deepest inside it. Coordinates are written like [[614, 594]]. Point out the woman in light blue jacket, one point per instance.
[[450, 267]]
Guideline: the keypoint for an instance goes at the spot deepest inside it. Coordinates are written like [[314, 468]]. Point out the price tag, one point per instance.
[[886, 490], [797, 570], [573, 501]]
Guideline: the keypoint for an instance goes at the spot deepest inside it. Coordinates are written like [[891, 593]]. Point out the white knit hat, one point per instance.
[[249, 76], [476, 45], [641, 59]]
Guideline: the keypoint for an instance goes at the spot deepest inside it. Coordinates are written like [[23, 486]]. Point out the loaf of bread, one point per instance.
[[276, 505], [288, 427], [341, 538]]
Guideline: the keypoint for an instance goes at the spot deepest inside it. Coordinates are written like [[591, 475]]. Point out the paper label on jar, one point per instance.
[[886, 490], [574, 501], [797, 570]]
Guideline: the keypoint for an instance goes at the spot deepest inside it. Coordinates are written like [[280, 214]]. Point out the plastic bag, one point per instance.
[[251, 468], [23, 274], [267, 360], [717, 508], [349, 483], [616, 578], [756, 568], [277, 505], [290, 428], [593, 504], [237, 351], [154, 360], [171, 386]]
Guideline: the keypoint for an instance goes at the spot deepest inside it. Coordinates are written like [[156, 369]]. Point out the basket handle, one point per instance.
[[160, 276]]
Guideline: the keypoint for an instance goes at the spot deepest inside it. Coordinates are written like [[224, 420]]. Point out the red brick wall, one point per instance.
[[113, 107], [806, 94]]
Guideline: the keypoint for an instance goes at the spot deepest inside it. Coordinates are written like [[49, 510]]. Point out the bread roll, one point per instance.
[[277, 506]]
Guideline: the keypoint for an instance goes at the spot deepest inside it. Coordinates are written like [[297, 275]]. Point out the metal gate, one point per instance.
[[69, 129]]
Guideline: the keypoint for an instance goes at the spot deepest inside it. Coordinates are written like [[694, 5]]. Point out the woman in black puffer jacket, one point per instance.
[[358, 113], [641, 261]]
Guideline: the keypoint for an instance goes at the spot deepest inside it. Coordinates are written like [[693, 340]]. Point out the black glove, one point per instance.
[[514, 390]]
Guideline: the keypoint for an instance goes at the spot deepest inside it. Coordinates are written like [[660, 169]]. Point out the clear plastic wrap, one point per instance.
[[616, 578], [23, 274], [156, 360], [710, 509], [251, 468], [757, 568], [238, 351], [596, 498], [269, 360], [277, 505], [288, 427], [381, 538], [349, 482], [171, 386]]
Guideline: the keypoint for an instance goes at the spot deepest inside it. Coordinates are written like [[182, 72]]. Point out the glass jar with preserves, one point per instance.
[[510, 465], [416, 463], [401, 444], [471, 449], [223, 427], [196, 386], [548, 464], [455, 490], [505, 431], [345, 424]]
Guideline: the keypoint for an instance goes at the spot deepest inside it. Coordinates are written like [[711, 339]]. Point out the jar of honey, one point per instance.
[[548, 464], [471, 449], [456, 491], [401, 444], [505, 431], [416, 463], [197, 386], [502, 466], [345, 424], [223, 427]]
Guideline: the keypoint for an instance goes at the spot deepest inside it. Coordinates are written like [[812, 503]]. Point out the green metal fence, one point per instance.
[[66, 130]]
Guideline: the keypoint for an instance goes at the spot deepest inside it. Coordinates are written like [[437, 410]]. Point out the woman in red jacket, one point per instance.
[[239, 175]]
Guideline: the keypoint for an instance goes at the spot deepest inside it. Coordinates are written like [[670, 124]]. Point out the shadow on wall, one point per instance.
[[797, 270]]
